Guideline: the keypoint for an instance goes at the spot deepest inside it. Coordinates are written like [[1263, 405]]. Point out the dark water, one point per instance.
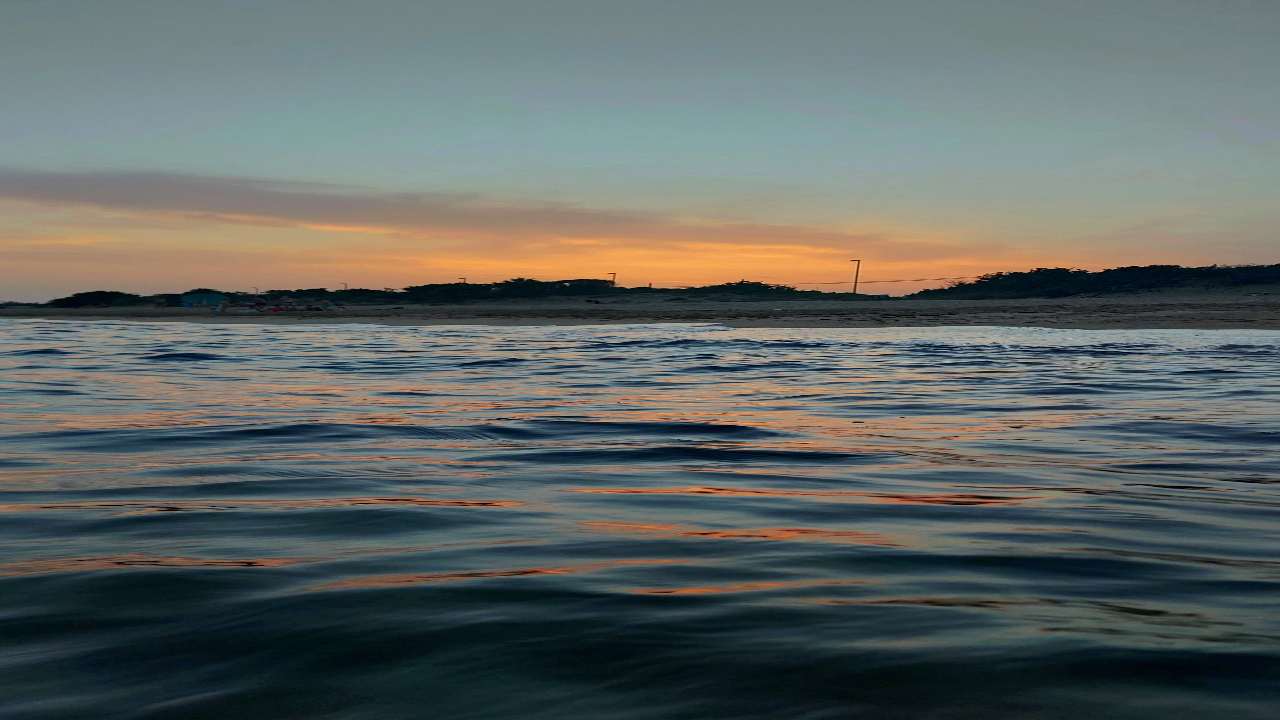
[[637, 522]]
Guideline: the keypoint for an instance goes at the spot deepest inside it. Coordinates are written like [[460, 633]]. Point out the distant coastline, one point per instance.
[[1155, 296], [1251, 308], [1037, 283]]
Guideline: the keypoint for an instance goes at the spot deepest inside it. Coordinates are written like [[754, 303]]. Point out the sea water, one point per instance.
[[361, 521]]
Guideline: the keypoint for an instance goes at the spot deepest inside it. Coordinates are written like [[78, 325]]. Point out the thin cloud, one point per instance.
[[252, 199], [418, 216]]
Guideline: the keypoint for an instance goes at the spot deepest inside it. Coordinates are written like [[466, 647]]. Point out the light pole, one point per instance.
[[857, 270], [613, 278]]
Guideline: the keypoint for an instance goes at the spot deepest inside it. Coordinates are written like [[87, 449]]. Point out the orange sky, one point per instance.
[[65, 232], [87, 247], [173, 254]]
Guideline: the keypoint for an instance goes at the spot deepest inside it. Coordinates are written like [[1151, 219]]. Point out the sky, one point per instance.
[[158, 146]]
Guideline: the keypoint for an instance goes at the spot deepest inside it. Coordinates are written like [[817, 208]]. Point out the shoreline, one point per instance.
[[1192, 311], [779, 323]]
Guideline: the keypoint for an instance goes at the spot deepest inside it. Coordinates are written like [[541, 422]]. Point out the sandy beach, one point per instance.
[[1254, 308]]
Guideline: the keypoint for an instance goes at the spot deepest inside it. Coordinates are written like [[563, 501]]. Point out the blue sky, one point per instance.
[[931, 137]]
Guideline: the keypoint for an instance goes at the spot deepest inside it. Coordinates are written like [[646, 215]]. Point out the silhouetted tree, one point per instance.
[[1063, 282], [98, 298]]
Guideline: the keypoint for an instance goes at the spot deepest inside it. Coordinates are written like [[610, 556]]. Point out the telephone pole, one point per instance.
[[857, 270]]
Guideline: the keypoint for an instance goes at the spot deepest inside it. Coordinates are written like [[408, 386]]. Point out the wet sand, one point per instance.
[[1253, 308]]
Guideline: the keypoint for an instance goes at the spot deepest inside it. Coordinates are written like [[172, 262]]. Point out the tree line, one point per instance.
[[1041, 282], [515, 288], [1065, 282]]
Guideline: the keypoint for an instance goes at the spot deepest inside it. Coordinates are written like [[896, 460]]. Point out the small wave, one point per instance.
[[18, 463], [1244, 350], [395, 580], [1065, 390], [861, 496], [716, 344], [136, 562], [141, 507], [837, 536], [494, 362], [579, 428], [768, 367], [51, 391], [183, 356], [757, 586], [158, 439], [42, 351], [684, 453], [1181, 429]]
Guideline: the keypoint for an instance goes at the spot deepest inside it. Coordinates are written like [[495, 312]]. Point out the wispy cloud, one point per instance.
[[423, 216], [151, 231]]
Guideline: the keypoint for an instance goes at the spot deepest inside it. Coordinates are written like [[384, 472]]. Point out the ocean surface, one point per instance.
[[359, 521]]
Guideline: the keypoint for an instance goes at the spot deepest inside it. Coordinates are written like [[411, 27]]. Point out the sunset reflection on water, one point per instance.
[[637, 521]]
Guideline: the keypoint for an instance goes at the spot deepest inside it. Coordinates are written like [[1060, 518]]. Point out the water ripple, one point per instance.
[[356, 522]]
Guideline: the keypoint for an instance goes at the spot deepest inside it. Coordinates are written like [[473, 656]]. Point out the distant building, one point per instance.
[[198, 299]]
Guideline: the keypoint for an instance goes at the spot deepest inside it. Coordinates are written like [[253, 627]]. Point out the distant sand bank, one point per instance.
[[1258, 309]]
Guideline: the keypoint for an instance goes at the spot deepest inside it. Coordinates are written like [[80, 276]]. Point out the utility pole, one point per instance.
[[857, 270]]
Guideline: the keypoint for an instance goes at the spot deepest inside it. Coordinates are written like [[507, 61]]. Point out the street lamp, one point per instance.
[[857, 270]]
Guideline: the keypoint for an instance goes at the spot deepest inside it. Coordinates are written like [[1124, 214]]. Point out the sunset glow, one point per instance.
[[159, 148]]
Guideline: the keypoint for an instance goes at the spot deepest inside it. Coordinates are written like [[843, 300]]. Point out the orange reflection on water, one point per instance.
[[855, 537], [139, 507], [135, 560], [859, 496], [392, 580]]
